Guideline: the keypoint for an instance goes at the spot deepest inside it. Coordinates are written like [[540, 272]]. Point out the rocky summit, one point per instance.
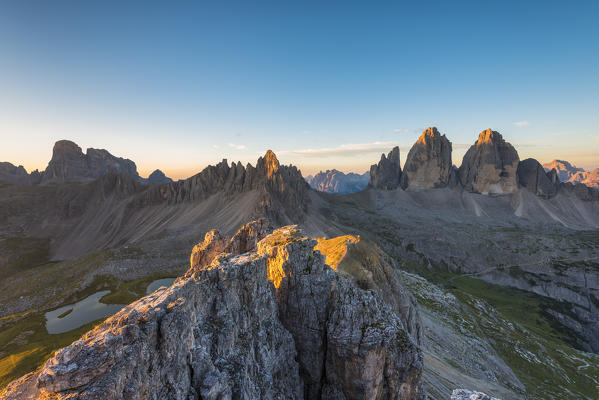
[[274, 322], [429, 162], [532, 176], [489, 166], [387, 173], [158, 178], [69, 164]]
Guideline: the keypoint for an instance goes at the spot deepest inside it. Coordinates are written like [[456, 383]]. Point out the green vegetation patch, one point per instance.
[[23, 253]]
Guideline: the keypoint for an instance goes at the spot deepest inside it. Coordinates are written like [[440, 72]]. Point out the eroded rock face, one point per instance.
[[387, 173], [234, 329], [532, 176], [283, 190], [69, 164], [429, 162], [355, 347], [489, 166]]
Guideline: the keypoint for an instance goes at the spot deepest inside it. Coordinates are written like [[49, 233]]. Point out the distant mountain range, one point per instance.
[[333, 181], [70, 165], [566, 172]]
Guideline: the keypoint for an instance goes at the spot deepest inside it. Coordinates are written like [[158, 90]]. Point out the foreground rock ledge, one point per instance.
[[273, 323]]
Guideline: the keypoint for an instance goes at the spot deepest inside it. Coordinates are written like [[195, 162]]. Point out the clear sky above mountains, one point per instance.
[[179, 86]]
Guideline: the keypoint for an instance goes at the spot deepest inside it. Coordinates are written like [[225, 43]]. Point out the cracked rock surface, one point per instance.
[[275, 322]]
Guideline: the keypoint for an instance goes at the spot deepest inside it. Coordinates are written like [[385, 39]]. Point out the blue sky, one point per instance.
[[179, 86]]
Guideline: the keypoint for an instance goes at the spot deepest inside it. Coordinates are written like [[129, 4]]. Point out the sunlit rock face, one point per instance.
[[387, 173], [532, 176], [274, 322], [490, 165], [429, 162]]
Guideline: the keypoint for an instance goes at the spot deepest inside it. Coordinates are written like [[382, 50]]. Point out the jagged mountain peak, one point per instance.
[[428, 134], [387, 173], [489, 136], [428, 164], [489, 166]]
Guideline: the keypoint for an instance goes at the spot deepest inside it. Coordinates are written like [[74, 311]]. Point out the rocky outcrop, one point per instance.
[[158, 178], [333, 181], [370, 268], [429, 162], [532, 176], [489, 166], [465, 394], [387, 173], [272, 324], [246, 239], [70, 164]]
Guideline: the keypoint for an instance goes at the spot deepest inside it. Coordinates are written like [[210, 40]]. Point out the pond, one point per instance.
[[73, 316], [152, 287], [90, 309]]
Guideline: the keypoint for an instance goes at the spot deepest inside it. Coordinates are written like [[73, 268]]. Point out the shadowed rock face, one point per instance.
[[282, 188], [387, 173], [18, 175], [274, 323], [69, 164], [158, 178], [489, 166], [429, 162], [532, 176]]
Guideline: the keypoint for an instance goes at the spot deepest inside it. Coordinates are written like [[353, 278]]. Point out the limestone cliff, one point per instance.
[[272, 323], [532, 176], [70, 164], [282, 189], [489, 166], [387, 173], [429, 162], [18, 175]]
